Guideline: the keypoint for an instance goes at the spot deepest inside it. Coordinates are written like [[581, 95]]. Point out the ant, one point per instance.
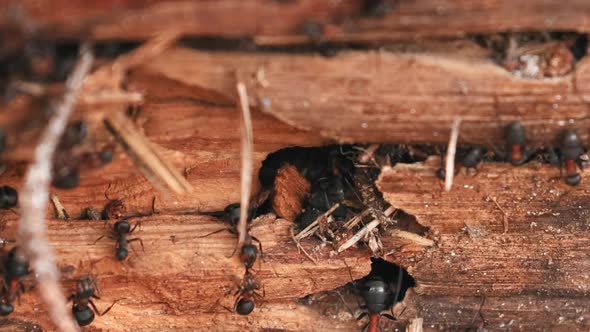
[[15, 267], [83, 313], [516, 144], [571, 149], [375, 8], [121, 231], [376, 293], [249, 251], [246, 294], [8, 197], [469, 160]]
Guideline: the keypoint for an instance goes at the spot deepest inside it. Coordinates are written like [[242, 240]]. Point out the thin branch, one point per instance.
[[246, 165], [451, 150], [34, 199], [60, 211], [154, 167]]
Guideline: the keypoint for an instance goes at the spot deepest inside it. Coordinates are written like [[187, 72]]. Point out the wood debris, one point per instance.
[[290, 190]]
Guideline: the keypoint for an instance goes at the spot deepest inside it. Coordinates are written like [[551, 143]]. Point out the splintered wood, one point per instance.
[[542, 252], [290, 189]]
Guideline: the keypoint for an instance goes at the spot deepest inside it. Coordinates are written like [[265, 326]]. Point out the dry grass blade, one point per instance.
[[451, 150], [311, 228], [60, 211], [415, 238], [146, 158], [246, 165], [359, 235], [34, 199]]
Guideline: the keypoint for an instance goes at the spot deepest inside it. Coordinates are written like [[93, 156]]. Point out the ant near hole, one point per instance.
[[246, 294]]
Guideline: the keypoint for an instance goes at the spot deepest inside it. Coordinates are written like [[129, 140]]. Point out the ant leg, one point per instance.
[[140, 242], [259, 246], [214, 232], [388, 316], [100, 238], [96, 309], [134, 227]]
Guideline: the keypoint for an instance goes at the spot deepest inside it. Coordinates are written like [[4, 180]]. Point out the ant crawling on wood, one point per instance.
[[516, 144], [571, 149], [246, 294], [469, 160], [121, 231], [377, 295], [82, 306], [8, 197], [15, 267]]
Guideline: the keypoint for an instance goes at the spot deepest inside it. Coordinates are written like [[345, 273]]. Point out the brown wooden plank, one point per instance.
[[281, 22]]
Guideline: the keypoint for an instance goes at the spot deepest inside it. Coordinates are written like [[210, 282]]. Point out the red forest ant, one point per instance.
[[571, 149], [15, 267], [516, 144], [377, 296], [82, 306]]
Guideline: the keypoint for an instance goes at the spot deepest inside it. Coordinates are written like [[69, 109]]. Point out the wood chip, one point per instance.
[[290, 190]]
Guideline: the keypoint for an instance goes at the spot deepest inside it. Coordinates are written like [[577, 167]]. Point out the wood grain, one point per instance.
[[381, 96], [281, 22], [531, 270]]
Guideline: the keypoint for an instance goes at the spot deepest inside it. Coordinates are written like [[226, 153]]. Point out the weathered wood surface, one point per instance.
[[182, 281], [380, 96], [534, 276], [281, 22], [201, 139]]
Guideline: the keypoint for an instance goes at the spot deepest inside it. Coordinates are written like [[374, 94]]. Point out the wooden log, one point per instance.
[[514, 235], [184, 278], [282, 22], [381, 96]]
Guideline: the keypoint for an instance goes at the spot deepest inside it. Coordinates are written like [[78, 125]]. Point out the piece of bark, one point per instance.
[[540, 261], [182, 274], [381, 96], [283, 22], [290, 190]]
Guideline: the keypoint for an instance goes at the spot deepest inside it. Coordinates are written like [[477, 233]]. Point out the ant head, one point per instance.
[[8, 197], [122, 253], [376, 293], [84, 316], [122, 227], [16, 264], [249, 251], [6, 309], [573, 179], [86, 287], [232, 213], [244, 307]]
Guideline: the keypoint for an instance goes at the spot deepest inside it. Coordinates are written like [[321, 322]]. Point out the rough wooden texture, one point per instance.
[[201, 139], [281, 22], [381, 96], [182, 280], [527, 274]]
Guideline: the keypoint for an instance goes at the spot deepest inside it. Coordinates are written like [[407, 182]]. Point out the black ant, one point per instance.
[[246, 294], [377, 295], [249, 251], [83, 313], [121, 231], [469, 160], [8, 197], [15, 267], [516, 143], [571, 149]]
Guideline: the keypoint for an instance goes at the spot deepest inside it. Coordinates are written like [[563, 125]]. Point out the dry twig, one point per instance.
[[312, 228], [34, 198], [246, 166], [155, 168], [451, 150], [365, 230], [60, 211]]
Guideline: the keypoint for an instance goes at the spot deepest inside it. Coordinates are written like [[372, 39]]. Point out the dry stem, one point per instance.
[[246, 169], [311, 228], [60, 211], [146, 158], [451, 150], [34, 198]]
